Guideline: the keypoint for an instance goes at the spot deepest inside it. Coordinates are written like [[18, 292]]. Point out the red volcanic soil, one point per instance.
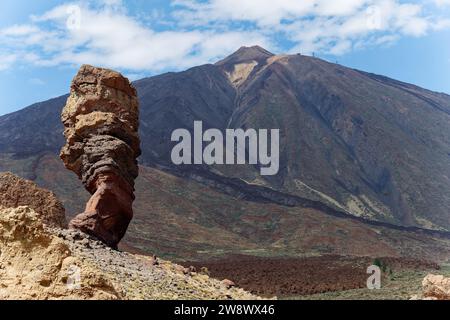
[[301, 276]]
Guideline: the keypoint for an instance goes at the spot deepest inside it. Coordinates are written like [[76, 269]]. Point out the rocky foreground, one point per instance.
[[436, 287], [41, 259]]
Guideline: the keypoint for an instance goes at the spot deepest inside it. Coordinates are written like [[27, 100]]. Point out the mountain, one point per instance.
[[363, 158]]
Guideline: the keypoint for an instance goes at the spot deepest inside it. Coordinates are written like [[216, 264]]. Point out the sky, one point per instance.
[[44, 42]]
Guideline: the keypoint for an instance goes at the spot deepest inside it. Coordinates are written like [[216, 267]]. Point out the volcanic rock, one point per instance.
[[436, 287], [42, 263], [101, 120], [16, 192]]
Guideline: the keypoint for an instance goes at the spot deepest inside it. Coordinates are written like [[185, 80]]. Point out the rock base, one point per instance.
[[436, 287]]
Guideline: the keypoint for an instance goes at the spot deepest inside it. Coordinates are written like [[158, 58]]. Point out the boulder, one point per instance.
[[36, 264]]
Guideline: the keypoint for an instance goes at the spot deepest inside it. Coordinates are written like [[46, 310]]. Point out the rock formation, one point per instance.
[[101, 120], [15, 192], [436, 287]]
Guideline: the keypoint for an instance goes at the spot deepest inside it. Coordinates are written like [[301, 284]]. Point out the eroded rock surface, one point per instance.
[[42, 263], [15, 192], [36, 264], [101, 120]]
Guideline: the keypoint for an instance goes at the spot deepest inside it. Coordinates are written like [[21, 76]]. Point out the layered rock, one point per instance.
[[436, 287], [101, 120], [16, 192]]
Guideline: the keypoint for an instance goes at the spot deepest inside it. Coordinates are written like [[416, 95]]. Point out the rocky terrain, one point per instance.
[[401, 284], [364, 164], [364, 144], [436, 287], [47, 261], [101, 121]]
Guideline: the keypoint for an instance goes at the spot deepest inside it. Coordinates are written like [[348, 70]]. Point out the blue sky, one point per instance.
[[42, 43]]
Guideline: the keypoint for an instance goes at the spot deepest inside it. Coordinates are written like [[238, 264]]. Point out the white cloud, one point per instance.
[[198, 32]]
